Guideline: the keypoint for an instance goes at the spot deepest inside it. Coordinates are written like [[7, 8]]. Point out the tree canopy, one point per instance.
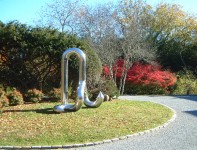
[[31, 57], [169, 29], [132, 30]]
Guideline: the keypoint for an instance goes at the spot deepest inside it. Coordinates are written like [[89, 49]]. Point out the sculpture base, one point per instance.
[[68, 107], [59, 108]]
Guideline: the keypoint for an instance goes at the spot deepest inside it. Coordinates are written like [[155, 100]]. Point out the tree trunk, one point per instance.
[[124, 72], [115, 74], [120, 85], [123, 82], [111, 72]]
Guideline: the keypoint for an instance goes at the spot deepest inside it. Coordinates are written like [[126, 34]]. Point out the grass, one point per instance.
[[37, 124]]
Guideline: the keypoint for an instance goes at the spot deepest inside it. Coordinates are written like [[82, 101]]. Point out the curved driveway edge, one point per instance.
[[181, 134]]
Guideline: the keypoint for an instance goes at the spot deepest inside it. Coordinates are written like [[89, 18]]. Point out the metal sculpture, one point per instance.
[[82, 93]]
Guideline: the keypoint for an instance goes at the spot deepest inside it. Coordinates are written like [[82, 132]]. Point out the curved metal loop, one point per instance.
[[81, 90], [94, 104]]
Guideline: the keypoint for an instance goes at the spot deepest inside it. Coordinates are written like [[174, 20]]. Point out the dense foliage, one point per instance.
[[15, 97], [55, 94], [132, 30], [3, 99], [109, 88], [34, 95], [31, 57], [174, 33], [10, 97], [166, 26], [144, 77], [186, 83]]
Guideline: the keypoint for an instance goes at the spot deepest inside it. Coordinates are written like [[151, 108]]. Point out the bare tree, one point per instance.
[[95, 22], [98, 25], [116, 31], [108, 52], [112, 30], [61, 14], [133, 43]]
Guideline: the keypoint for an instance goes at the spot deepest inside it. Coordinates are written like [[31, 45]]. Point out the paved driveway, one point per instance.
[[180, 134]]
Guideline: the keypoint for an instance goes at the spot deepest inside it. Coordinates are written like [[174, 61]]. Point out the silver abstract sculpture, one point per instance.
[[82, 94]]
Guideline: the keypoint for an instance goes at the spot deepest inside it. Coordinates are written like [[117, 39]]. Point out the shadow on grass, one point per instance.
[[46, 111], [85, 107], [42, 111]]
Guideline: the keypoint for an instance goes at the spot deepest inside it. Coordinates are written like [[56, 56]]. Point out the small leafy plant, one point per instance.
[[34, 95], [55, 94], [3, 100], [186, 83], [15, 98], [109, 88]]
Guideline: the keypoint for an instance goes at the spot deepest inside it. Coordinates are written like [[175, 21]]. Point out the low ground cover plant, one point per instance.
[[10, 97], [3, 100], [34, 95], [186, 83], [55, 94], [15, 97]]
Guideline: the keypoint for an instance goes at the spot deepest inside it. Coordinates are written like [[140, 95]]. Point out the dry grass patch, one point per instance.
[[37, 124]]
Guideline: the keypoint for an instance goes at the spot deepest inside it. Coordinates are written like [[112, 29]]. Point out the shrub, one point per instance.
[[3, 99], [144, 76], [143, 89], [72, 93], [34, 95], [55, 94], [186, 83], [111, 89], [93, 71], [107, 87], [15, 97], [42, 49]]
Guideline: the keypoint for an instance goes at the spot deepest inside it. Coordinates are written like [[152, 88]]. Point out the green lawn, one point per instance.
[[37, 124]]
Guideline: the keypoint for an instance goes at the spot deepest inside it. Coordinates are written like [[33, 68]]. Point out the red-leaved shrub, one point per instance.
[[144, 74]]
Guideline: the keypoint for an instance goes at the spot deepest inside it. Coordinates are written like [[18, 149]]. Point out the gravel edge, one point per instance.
[[99, 142]]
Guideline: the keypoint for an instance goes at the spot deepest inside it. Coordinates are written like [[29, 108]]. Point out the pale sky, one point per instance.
[[26, 11]]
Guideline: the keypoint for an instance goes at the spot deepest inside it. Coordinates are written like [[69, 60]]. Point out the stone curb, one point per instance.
[[99, 142]]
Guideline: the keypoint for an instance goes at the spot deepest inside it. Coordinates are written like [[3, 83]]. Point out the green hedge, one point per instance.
[[186, 83], [32, 57], [144, 89]]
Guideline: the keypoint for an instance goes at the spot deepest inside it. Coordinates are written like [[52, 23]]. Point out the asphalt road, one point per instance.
[[181, 134]]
